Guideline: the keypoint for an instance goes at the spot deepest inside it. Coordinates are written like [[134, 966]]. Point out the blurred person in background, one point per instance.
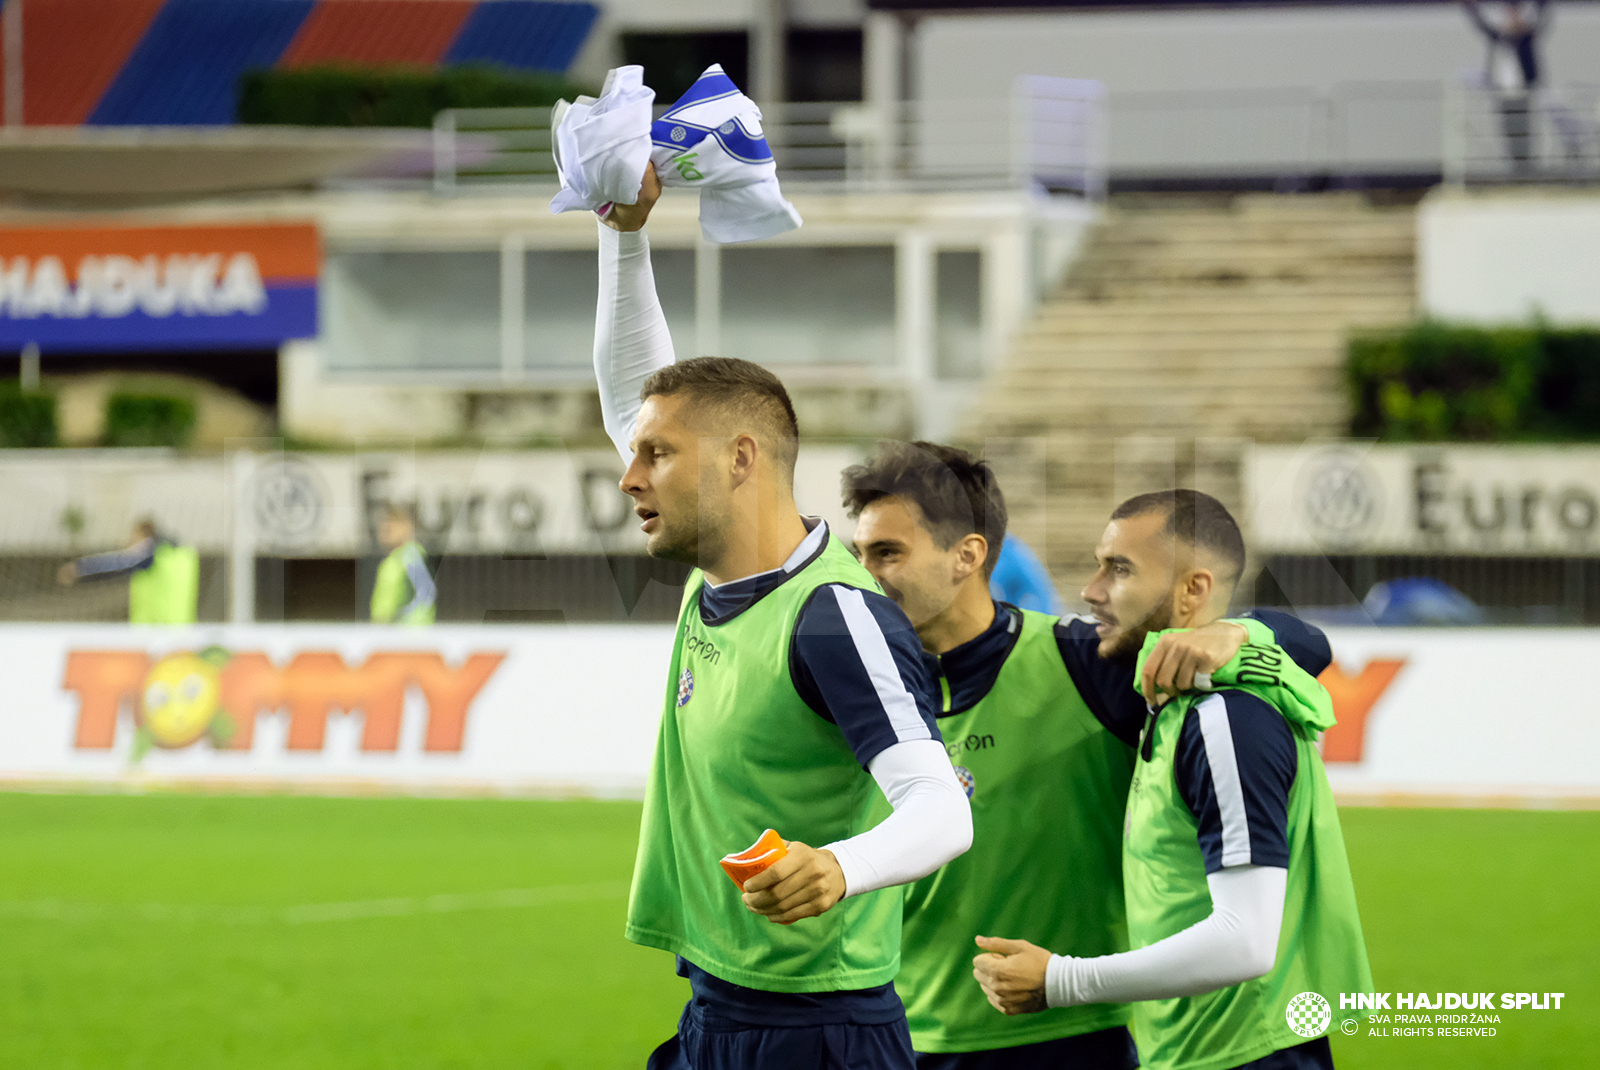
[[403, 592], [163, 577], [1021, 579], [1044, 730], [1512, 69]]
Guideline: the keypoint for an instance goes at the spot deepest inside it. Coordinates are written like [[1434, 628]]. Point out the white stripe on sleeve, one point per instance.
[[1218, 736], [873, 649]]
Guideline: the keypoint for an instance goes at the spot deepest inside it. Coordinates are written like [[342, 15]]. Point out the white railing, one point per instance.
[[1065, 134], [491, 146], [1548, 135], [1353, 128], [1051, 132]]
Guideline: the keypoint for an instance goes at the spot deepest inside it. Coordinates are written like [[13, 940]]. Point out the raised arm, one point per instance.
[[631, 340]]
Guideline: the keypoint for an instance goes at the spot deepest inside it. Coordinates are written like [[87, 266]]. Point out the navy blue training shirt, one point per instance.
[[1107, 683], [1235, 763], [854, 657]]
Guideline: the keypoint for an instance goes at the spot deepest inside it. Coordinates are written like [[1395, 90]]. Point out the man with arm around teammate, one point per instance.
[[1241, 910], [1043, 731]]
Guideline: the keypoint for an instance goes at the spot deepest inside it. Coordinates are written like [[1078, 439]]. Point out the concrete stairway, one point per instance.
[[1188, 328]]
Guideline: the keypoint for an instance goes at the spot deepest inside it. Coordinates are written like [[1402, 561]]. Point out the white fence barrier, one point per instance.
[[1494, 717]]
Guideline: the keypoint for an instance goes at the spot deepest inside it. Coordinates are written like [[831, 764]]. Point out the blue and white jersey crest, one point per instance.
[[713, 107]]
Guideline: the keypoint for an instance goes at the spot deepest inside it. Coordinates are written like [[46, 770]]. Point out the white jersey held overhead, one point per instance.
[[710, 140]]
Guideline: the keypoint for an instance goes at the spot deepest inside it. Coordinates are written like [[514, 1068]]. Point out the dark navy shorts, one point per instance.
[[1314, 1055], [708, 1041], [1104, 1049], [729, 1027]]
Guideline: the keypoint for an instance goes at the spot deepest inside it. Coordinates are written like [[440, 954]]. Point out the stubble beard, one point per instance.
[[1127, 644], [700, 541]]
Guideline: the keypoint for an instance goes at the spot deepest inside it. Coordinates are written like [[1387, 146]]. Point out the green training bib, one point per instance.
[[1320, 947], [1048, 786], [739, 751], [168, 591]]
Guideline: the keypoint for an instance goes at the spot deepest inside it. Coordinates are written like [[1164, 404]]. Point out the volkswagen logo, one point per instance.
[[1342, 497]]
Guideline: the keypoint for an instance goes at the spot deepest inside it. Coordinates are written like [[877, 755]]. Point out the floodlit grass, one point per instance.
[[216, 974], [1491, 900], [164, 931]]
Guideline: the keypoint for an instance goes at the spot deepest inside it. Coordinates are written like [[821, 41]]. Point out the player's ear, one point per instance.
[[743, 456], [1198, 587], [971, 552]]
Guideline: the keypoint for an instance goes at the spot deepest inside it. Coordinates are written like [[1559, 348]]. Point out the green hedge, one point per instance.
[[149, 420], [1450, 382], [390, 96], [27, 418]]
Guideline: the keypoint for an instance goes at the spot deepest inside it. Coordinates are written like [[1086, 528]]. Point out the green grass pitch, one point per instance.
[[163, 931]]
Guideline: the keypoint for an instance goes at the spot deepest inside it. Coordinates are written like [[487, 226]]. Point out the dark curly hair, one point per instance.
[[957, 492]]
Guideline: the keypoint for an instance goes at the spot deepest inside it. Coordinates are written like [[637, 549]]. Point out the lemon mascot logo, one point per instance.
[[181, 701]]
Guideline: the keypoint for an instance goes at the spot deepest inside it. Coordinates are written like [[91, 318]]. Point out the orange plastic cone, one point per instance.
[[755, 858]]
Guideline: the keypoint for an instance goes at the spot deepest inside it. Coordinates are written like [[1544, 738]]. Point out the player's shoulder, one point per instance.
[[1079, 644], [840, 606], [1242, 711], [1241, 731], [1072, 625]]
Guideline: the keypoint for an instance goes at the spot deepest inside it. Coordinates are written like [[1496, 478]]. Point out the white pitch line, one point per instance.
[[311, 913]]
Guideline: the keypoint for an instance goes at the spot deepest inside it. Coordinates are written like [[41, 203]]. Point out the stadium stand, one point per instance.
[[1241, 304]]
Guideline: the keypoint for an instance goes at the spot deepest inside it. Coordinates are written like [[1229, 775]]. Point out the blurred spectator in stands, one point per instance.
[[163, 577], [404, 591], [1512, 69], [1021, 579]]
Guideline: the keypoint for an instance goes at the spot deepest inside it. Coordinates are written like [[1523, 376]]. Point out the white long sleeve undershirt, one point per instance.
[[1238, 942], [931, 823], [631, 340]]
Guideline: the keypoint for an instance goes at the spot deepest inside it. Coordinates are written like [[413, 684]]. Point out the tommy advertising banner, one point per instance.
[[1488, 716], [568, 709], [133, 288], [1426, 716]]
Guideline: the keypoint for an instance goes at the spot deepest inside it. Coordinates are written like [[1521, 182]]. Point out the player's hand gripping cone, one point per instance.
[[755, 858]]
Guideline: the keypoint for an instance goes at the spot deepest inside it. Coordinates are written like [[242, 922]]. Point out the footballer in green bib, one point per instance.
[[1047, 783], [1241, 914], [738, 750], [1165, 864], [797, 701], [1042, 730]]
